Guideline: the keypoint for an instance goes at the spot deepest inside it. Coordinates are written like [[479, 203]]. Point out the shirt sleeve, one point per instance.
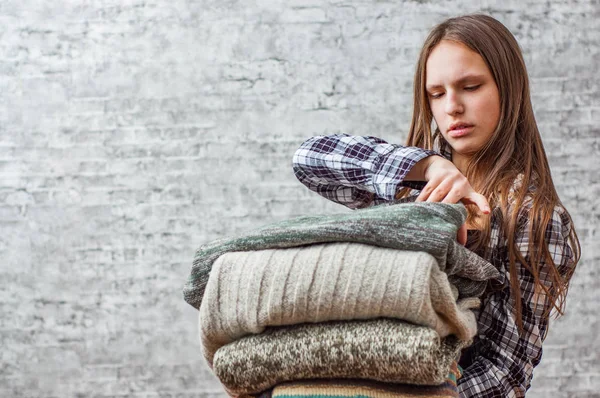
[[356, 171], [504, 358]]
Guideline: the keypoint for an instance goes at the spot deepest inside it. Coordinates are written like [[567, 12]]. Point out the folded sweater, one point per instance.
[[347, 388], [423, 226], [383, 350], [249, 291]]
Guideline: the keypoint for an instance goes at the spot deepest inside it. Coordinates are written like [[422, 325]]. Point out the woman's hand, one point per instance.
[[446, 184]]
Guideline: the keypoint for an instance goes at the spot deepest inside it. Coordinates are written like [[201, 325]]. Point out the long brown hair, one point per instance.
[[514, 151]]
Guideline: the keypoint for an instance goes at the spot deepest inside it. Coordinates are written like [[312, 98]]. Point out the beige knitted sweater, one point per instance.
[[249, 291]]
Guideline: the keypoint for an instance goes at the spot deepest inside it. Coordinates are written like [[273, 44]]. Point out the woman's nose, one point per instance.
[[453, 104]]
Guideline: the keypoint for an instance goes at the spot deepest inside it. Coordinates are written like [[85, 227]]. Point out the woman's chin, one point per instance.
[[464, 149]]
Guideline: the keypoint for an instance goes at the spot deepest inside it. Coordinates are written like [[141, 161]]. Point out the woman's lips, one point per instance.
[[460, 132]]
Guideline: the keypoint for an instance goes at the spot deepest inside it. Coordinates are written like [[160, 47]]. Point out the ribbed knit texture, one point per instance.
[[356, 388], [384, 350], [249, 291], [422, 226]]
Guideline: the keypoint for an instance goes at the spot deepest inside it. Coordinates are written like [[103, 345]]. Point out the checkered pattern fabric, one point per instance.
[[355, 171], [365, 171]]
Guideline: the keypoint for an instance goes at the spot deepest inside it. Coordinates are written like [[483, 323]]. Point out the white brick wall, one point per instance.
[[133, 131]]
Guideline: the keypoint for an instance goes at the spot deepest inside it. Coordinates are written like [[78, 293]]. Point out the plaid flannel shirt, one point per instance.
[[364, 171]]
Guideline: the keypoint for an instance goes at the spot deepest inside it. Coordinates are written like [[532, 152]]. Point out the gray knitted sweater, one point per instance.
[[423, 226], [386, 350]]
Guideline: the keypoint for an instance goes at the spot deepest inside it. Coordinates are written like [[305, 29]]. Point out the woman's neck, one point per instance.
[[462, 164], [460, 161]]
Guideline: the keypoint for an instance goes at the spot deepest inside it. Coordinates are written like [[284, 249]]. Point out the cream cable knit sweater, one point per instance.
[[249, 291]]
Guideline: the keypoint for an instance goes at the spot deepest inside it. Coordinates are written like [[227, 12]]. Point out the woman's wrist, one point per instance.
[[419, 171]]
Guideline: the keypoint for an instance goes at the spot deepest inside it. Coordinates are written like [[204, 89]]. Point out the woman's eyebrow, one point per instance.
[[461, 80]]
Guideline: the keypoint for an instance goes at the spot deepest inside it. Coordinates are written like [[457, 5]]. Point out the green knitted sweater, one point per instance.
[[423, 226], [385, 350]]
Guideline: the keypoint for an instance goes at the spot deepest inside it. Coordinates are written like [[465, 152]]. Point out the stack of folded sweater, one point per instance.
[[377, 302]]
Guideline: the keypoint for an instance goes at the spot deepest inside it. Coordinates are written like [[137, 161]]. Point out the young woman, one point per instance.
[[471, 84]]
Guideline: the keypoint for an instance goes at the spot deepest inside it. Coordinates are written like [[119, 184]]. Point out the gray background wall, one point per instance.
[[131, 131]]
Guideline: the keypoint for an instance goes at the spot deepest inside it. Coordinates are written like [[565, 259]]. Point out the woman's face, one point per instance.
[[463, 97]]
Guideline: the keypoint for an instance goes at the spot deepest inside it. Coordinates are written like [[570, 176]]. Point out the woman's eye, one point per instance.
[[436, 95], [472, 88]]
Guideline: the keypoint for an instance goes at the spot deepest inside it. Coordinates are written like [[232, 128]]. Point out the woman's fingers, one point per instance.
[[447, 185], [424, 194], [453, 196], [478, 199], [427, 190], [440, 192], [461, 235], [446, 191], [431, 192]]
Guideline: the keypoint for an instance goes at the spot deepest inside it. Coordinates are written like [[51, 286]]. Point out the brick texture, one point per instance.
[[131, 131]]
